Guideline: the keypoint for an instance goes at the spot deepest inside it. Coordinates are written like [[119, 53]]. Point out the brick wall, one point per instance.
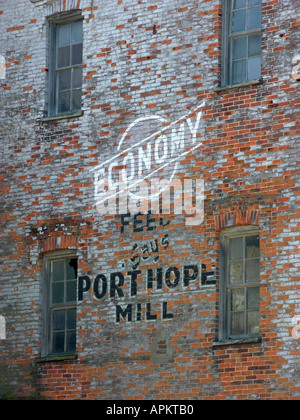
[[148, 58]]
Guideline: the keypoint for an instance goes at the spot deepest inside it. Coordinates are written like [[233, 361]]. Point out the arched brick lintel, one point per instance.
[[237, 218], [56, 243]]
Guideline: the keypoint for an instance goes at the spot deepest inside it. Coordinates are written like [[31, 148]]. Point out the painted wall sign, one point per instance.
[[120, 285], [144, 168]]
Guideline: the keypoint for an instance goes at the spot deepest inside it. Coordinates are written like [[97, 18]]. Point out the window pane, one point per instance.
[[236, 249], [253, 298], [71, 271], [64, 80], [236, 272], [254, 3], [254, 45], [239, 4], [71, 291], [71, 319], [239, 48], [253, 322], [63, 57], [76, 54], [59, 318], [252, 247], [237, 323], [58, 293], [58, 342], [254, 68], [239, 21], [254, 18], [63, 35], [238, 299], [58, 270], [64, 101], [77, 78], [71, 341], [252, 271], [76, 99], [77, 35], [239, 71]]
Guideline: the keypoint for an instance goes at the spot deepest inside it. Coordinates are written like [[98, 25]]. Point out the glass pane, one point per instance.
[[254, 3], [253, 298], [77, 99], [253, 322], [238, 299], [254, 45], [71, 271], [254, 18], [77, 35], [63, 57], [237, 323], [63, 35], [71, 341], [77, 78], [252, 271], [239, 4], [71, 319], [64, 101], [76, 54], [58, 342], [59, 318], [239, 21], [239, 48], [254, 67], [239, 71], [71, 291], [252, 247], [58, 270], [58, 293], [236, 272], [64, 80], [236, 249]]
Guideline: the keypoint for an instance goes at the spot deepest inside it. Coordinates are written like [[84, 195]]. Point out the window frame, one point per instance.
[[224, 303], [227, 36], [53, 23], [49, 309]]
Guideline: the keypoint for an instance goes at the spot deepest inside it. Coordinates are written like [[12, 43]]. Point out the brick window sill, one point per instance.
[[57, 358], [249, 340], [239, 85]]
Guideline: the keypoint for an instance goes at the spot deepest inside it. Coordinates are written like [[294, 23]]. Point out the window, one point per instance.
[[65, 67], [240, 283], [241, 41], [60, 304]]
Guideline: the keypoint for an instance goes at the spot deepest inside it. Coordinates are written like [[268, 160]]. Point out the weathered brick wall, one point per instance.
[[140, 58]]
